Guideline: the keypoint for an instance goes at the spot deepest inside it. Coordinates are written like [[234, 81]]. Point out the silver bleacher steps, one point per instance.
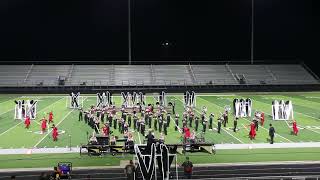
[[154, 75]]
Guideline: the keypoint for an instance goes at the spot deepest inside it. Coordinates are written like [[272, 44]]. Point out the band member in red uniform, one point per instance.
[[295, 127], [106, 130], [50, 117], [27, 122], [252, 133], [43, 125], [262, 118], [187, 133], [54, 133]]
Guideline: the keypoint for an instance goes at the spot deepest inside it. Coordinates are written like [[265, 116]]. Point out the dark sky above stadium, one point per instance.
[[214, 30]]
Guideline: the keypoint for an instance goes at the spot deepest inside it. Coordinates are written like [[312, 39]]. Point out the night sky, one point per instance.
[[196, 30]]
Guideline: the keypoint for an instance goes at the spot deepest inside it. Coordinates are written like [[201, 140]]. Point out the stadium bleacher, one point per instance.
[[160, 75]]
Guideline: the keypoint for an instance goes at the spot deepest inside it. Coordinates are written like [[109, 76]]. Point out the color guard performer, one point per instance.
[[54, 133], [27, 122], [295, 127], [50, 117], [252, 133], [43, 125]]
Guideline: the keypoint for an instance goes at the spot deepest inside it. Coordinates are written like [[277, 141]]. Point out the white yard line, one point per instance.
[[9, 100], [249, 121], [245, 127], [221, 128], [7, 111], [51, 129], [22, 121], [313, 130], [307, 115], [10, 128]]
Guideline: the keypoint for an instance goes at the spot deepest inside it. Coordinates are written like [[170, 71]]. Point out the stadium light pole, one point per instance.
[[129, 32], [252, 31]]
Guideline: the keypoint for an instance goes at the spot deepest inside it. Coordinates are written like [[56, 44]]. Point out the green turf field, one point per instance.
[[306, 111]]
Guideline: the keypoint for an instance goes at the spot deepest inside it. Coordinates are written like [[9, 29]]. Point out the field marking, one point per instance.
[[7, 111], [250, 121], [217, 125], [10, 128], [10, 100], [245, 127], [313, 130], [51, 129], [22, 121]]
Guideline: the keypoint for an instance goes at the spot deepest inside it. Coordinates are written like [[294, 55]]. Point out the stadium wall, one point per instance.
[[152, 89]]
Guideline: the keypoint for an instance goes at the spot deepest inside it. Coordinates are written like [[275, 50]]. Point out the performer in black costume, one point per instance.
[[176, 122], [211, 120], [196, 121], [235, 123], [168, 119], [219, 124], [129, 120]]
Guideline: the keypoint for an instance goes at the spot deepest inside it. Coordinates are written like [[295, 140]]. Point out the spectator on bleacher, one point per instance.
[[130, 170], [187, 168]]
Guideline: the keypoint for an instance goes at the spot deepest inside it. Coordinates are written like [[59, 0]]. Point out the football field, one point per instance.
[[306, 108]]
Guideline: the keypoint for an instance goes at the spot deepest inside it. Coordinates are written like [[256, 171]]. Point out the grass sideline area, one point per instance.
[[222, 156], [306, 108]]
